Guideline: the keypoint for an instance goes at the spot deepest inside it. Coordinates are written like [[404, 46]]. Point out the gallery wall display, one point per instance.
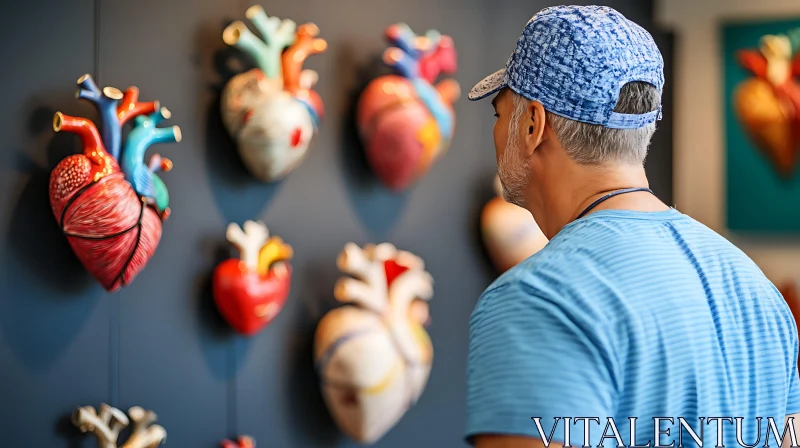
[[107, 422], [251, 290], [406, 122], [762, 121], [271, 111], [241, 442], [373, 355], [509, 232], [108, 202]]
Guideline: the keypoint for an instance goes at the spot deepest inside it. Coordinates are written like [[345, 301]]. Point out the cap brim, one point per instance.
[[489, 85]]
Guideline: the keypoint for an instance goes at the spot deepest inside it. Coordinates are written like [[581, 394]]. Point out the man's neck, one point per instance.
[[562, 204]]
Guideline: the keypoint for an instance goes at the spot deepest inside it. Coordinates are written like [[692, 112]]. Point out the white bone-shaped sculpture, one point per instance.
[[373, 355], [248, 241], [107, 424]]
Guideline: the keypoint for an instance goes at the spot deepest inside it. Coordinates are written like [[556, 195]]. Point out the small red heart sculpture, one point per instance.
[[405, 122], [112, 215], [251, 291]]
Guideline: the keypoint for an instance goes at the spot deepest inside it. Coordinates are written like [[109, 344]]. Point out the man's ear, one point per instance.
[[533, 127]]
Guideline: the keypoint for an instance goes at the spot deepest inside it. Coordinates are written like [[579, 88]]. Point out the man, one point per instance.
[[632, 311]]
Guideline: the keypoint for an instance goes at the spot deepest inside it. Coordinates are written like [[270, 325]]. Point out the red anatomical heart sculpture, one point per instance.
[[251, 290], [107, 201], [768, 105], [405, 122]]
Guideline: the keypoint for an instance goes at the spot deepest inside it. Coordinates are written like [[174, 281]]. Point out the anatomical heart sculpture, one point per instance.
[[271, 111], [251, 290], [373, 355], [108, 422], [768, 104], [107, 201], [509, 232], [406, 122]]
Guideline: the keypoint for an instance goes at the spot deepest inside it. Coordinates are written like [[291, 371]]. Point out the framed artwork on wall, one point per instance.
[[761, 125]]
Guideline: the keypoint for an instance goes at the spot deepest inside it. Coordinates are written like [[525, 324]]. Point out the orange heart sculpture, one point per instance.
[[768, 105], [509, 232]]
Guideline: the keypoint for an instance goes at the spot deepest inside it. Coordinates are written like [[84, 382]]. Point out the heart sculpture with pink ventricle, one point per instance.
[[405, 122], [271, 111], [108, 203], [373, 355], [768, 105]]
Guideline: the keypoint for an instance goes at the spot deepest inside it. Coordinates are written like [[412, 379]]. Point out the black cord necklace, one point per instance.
[[611, 195]]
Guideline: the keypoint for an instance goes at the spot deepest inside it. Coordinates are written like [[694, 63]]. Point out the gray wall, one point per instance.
[[160, 343]]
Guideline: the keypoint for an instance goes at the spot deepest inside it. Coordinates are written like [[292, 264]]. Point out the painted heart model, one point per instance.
[[405, 122], [108, 203], [251, 290], [509, 232], [373, 355], [107, 422], [271, 111], [768, 105], [241, 442]]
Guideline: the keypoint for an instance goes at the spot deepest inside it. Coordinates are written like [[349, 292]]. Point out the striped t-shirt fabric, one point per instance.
[[628, 314]]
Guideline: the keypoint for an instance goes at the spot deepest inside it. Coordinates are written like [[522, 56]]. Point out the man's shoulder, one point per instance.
[[572, 274], [534, 287]]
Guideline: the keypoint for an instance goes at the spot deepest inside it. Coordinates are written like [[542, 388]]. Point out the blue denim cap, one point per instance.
[[575, 59]]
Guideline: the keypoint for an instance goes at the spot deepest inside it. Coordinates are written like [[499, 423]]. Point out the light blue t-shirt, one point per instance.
[[633, 314]]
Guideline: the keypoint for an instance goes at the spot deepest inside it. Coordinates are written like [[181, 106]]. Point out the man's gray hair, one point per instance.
[[592, 144]]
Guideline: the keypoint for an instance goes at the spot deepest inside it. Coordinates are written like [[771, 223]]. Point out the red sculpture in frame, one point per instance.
[[768, 103]]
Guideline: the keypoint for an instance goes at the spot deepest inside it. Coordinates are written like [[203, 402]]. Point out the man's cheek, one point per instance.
[[499, 144]]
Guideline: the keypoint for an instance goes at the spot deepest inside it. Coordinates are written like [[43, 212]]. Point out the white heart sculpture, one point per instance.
[[374, 355], [509, 232]]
